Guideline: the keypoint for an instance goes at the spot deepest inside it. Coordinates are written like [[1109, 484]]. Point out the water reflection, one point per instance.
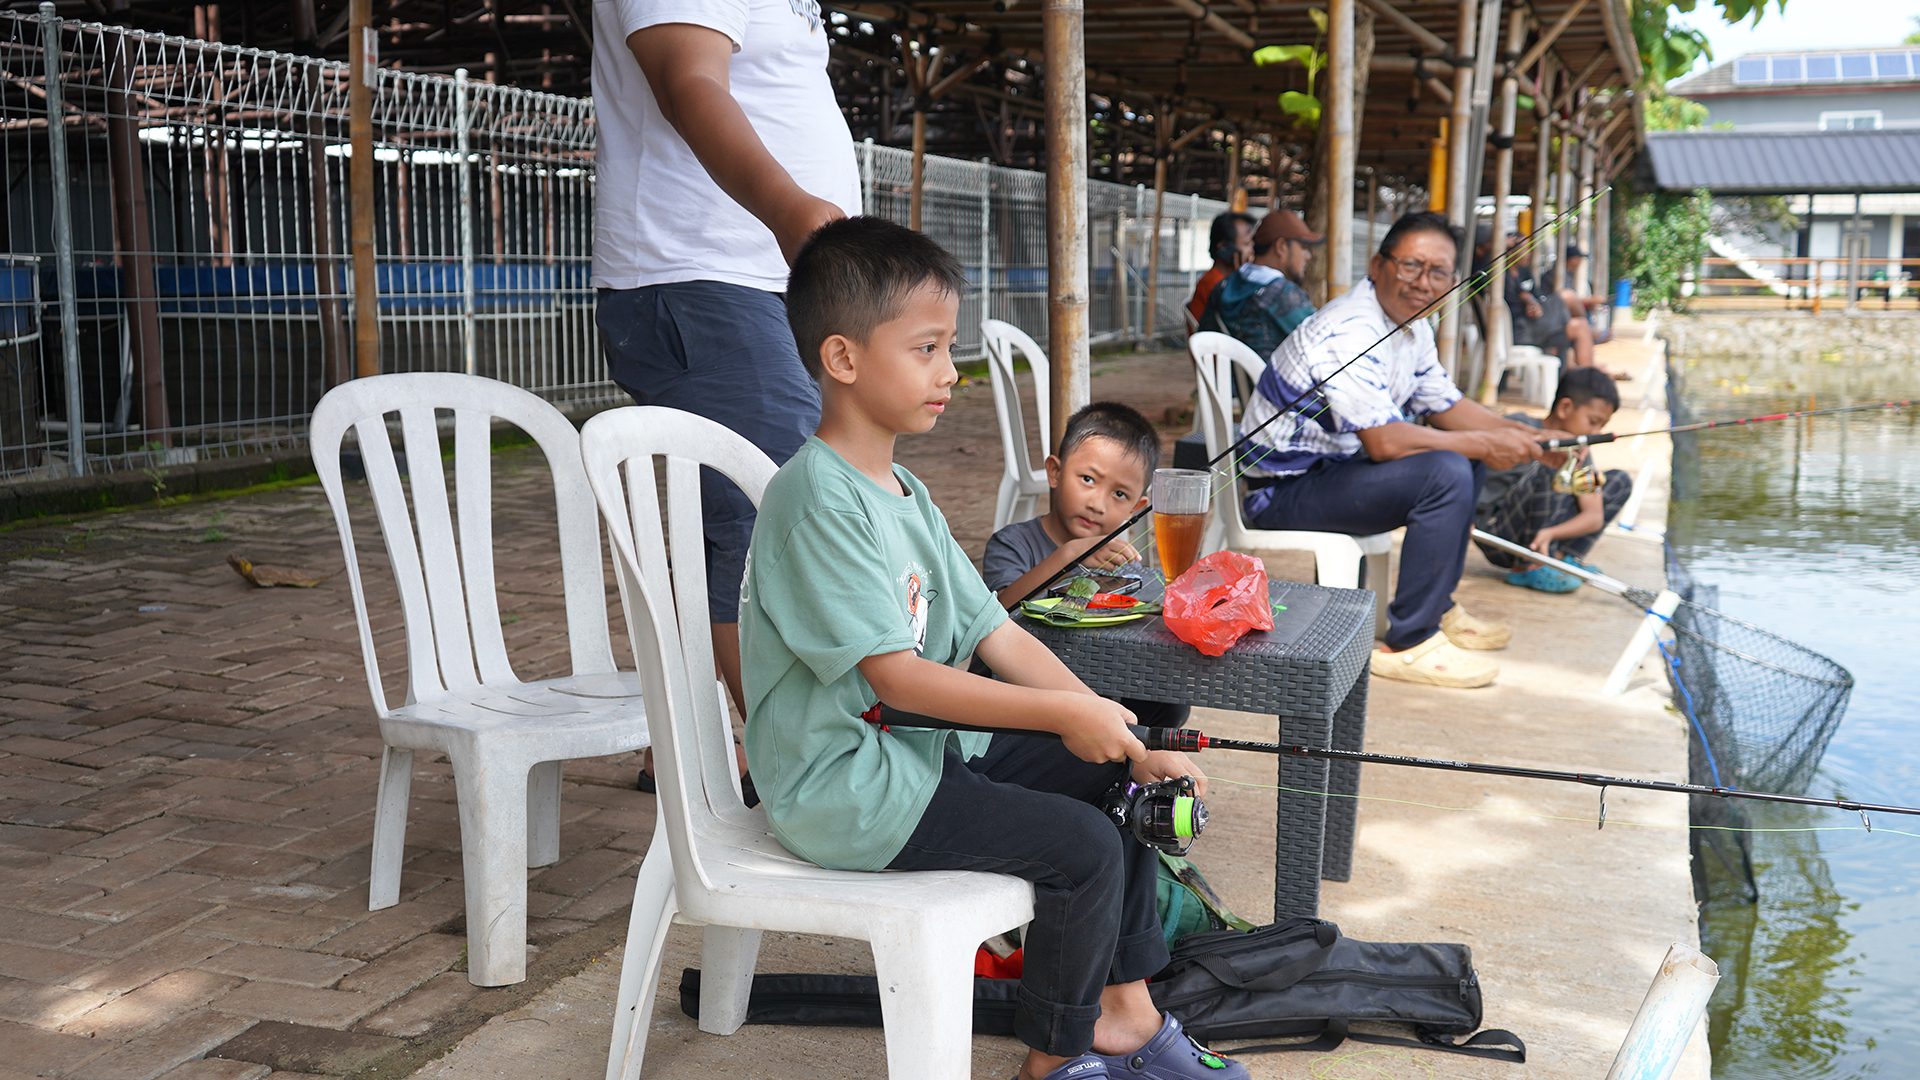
[[1809, 528]]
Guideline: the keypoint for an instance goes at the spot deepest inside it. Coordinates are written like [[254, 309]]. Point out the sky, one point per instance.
[[1806, 24]]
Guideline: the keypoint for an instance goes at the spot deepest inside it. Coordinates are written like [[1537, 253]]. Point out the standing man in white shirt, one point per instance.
[[721, 150]]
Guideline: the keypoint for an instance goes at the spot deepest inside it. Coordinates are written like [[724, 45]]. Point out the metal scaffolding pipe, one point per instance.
[[1067, 274]]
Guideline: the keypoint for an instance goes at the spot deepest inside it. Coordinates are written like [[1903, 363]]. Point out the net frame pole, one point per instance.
[[1644, 635]]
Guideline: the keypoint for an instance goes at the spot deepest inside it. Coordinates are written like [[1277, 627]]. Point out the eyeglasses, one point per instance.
[[1408, 271]]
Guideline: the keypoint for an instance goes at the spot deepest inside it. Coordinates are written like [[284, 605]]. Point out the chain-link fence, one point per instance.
[[177, 279]]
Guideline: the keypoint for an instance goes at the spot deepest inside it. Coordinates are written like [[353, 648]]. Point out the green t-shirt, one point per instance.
[[840, 570]]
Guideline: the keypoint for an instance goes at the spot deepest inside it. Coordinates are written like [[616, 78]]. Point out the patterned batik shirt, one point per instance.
[[1397, 376]]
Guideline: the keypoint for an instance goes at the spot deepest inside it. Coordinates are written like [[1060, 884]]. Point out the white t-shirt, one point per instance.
[[657, 216]]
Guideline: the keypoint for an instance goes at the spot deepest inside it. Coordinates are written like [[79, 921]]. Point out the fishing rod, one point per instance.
[[1477, 280], [1189, 740], [1607, 437]]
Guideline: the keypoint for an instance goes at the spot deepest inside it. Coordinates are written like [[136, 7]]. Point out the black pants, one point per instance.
[[1025, 808]]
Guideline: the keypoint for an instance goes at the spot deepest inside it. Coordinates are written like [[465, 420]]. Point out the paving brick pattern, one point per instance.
[[187, 775]]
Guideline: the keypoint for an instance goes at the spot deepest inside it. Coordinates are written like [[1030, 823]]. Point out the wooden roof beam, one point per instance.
[[1202, 14]]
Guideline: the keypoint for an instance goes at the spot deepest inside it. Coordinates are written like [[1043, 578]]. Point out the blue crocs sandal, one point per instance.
[[1084, 1067], [1545, 579], [1173, 1055]]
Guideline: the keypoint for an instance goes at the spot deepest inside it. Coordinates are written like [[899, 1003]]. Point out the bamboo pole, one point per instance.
[[1067, 275], [1542, 158], [1499, 318], [1340, 147], [1562, 189], [1459, 193], [132, 223], [1584, 286], [366, 315], [1162, 137]]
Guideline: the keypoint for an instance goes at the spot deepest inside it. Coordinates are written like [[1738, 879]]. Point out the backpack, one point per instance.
[[1187, 904], [1301, 978]]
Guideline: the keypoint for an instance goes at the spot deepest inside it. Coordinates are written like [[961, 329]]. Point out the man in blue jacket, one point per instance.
[[1263, 301]]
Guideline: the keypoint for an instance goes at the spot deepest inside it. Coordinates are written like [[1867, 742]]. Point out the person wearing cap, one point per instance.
[[1263, 301], [1231, 244]]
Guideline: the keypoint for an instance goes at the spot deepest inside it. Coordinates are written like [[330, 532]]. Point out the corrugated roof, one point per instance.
[[1786, 162]]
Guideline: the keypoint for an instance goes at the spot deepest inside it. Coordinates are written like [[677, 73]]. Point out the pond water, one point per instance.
[[1809, 529]]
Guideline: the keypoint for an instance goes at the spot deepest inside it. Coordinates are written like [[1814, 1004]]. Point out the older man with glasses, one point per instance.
[[1352, 457]]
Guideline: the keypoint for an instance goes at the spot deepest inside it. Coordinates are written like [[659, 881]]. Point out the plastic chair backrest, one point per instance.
[[663, 589], [1002, 339], [442, 561]]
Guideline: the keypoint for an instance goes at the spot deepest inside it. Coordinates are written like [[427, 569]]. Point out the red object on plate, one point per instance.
[[1111, 600]]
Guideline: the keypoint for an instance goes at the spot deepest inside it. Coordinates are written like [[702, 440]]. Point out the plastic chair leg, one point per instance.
[[727, 956], [926, 1002], [493, 859], [1004, 502], [1378, 571], [390, 827], [543, 814], [653, 908], [1338, 567]]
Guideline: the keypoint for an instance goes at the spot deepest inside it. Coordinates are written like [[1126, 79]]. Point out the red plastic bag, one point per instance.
[[1217, 600]]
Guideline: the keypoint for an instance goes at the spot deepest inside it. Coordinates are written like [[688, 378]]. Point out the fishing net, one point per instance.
[[1762, 709]]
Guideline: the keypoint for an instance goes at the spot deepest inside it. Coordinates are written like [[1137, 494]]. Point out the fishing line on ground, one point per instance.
[[1482, 809]]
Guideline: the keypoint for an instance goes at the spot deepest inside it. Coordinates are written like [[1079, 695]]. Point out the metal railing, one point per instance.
[[176, 282], [1764, 282]]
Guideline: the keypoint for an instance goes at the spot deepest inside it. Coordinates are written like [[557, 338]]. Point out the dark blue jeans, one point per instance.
[[1431, 494], [1025, 808], [725, 352]]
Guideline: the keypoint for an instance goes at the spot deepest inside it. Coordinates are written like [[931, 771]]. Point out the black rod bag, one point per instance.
[[1298, 979], [1303, 979]]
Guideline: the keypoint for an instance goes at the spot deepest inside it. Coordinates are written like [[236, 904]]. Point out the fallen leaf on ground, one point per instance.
[[267, 577]]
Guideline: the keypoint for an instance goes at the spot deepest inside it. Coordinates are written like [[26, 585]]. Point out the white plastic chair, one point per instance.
[[720, 866], [1337, 557], [1538, 371], [1021, 485], [505, 737]]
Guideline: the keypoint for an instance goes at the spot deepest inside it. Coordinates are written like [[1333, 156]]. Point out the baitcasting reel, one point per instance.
[[1165, 815]]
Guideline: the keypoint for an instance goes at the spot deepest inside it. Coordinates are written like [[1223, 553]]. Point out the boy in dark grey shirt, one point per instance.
[[1098, 478]]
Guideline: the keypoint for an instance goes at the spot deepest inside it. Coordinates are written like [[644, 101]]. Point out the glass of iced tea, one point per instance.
[[1180, 499]]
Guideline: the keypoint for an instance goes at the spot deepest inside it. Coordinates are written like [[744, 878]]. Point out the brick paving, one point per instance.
[[187, 774]]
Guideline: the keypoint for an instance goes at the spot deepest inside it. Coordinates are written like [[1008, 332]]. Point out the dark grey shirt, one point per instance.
[[1013, 551]]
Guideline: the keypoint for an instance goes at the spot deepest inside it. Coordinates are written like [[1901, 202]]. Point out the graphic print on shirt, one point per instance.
[[808, 10], [914, 583]]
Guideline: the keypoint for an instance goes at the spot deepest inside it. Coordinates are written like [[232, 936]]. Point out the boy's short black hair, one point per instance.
[[854, 274], [1583, 384], [1112, 420], [1418, 222]]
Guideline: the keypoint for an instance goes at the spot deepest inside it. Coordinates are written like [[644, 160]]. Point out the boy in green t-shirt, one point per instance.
[[856, 593]]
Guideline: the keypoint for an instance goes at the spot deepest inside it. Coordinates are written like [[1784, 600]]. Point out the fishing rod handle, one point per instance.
[[1578, 440], [892, 717]]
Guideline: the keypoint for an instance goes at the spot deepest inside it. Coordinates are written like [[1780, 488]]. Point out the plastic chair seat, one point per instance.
[[576, 709], [713, 863]]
